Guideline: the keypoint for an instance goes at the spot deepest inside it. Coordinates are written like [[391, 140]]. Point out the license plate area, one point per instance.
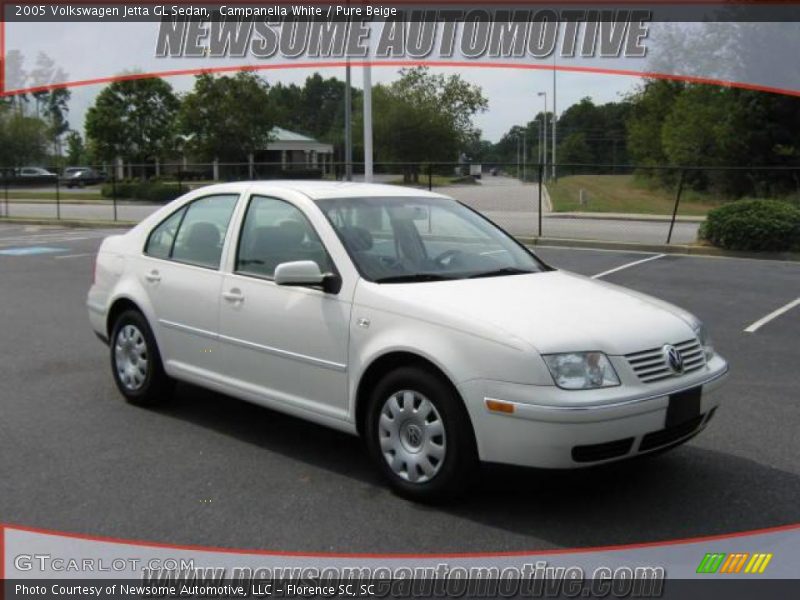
[[683, 406]]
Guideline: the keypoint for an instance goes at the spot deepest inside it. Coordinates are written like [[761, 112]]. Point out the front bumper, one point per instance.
[[552, 428]]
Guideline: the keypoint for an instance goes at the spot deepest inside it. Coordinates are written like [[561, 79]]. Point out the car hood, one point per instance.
[[555, 311]]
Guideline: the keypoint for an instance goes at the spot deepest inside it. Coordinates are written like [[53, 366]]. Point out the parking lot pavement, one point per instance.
[[208, 469]]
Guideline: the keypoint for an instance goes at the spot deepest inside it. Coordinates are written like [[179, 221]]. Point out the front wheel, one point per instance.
[[419, 435], [136, 362]]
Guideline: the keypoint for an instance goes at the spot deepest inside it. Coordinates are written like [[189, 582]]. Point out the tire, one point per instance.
[[419, 435], [136, 362]]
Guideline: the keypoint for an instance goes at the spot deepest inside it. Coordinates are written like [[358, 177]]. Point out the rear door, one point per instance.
[[180, 270]]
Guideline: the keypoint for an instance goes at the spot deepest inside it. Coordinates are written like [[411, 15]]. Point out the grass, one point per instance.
[[51, 196], [625, 194]]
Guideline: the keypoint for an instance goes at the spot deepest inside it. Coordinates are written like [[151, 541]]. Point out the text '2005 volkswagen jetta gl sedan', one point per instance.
[[402, 316]]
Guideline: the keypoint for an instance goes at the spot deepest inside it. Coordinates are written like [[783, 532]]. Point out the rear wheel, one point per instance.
[[419, 435], [136, 362]]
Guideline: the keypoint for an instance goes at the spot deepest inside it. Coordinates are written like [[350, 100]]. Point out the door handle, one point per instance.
[[235, 295], [153, 276]]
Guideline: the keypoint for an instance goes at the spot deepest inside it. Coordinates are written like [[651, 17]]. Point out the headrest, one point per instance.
[[293, 229], [356, 239], [272, 240], [203, 234]]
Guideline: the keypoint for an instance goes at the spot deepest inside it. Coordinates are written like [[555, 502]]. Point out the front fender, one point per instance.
[[461, 356]]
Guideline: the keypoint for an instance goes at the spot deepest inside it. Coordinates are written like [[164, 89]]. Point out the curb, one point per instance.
[[624, 217], [681, 249]]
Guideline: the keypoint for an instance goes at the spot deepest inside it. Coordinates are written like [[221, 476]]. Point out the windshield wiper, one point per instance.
[[412, 278], [501, 272]]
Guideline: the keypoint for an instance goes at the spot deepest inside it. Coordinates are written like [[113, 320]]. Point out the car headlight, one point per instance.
[[581, 370], [703, 337]]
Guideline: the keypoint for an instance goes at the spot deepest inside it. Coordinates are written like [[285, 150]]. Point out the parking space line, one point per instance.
[[773, 315], [43, 239], [74, 255], [628, 265]]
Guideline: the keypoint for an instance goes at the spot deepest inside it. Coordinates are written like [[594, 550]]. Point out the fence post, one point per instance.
[[58, 200], [430, 177], [675, 208], [114, 193], [541, 176]]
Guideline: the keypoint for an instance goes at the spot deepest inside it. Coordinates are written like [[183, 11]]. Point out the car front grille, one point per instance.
[[605, 451], [650, 365], [667, 436]]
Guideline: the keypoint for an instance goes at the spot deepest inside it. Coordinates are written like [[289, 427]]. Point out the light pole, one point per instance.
[[348, 125], [368, 159], [544, 129], [554, 117], [539, 142], [367, 115]]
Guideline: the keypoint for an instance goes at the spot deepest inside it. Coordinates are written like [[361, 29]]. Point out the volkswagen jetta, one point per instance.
[[401, 316]]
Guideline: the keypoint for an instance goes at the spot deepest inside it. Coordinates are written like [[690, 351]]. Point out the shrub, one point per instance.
[[161, 193], [148, 191], [769, 225]]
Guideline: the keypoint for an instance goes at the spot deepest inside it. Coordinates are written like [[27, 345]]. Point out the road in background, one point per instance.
[[209, 469]]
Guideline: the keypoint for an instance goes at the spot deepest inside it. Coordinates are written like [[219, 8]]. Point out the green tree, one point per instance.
[[134, 120], [651, 105], [76, 151], [425, 117], [602, 128], [227, 117], [317, 109], [574, 149], [23, 139]]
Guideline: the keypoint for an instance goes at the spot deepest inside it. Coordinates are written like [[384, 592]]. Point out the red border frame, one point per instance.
[[2, 560], [402, 63], [410, 63], [612, 548]]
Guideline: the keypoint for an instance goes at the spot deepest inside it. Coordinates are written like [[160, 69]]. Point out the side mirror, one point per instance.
[[306, 273]]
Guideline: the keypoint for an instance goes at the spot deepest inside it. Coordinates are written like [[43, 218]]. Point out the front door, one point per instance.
[[288, 344]]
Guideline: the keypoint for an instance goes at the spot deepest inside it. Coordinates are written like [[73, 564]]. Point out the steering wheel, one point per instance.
[[390, 262], [445, 259]]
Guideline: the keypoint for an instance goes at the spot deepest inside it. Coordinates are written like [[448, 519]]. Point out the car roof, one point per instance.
[[319, 190]]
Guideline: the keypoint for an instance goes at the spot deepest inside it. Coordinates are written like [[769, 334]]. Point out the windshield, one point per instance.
[[396, 240]]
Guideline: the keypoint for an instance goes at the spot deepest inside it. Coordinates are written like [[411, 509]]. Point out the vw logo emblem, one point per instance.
[[673, 358], [414, 436]]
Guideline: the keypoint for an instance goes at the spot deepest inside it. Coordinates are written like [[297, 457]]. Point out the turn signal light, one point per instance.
[[499, 406]]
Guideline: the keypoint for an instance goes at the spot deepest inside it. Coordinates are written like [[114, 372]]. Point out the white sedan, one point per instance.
[[401, 316]]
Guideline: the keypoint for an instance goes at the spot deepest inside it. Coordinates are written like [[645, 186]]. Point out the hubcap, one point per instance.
[[412, 436], [130, 357]]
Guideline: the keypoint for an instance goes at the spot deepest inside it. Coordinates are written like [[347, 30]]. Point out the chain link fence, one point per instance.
[[650, 204]]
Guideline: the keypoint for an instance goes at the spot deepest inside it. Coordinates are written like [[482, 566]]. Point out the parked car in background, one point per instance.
[[401, 316], [28, 176], [82, 176]]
